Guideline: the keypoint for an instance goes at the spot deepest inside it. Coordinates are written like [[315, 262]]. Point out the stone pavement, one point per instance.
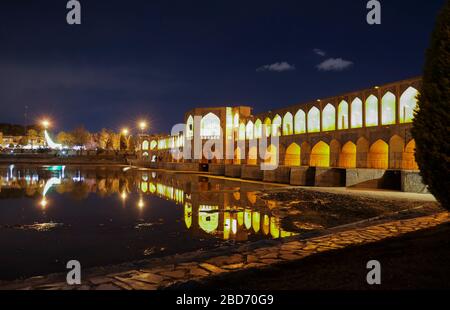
[[157, 277]]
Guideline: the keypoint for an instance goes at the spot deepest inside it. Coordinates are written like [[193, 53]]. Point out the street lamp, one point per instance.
[[142, 126], [125, 131], [45, 123]]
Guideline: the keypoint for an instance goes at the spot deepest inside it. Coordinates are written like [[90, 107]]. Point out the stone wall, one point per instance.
[[252, 172]]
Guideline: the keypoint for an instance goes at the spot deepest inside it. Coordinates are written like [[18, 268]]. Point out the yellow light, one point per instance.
[[123, 195], [125, 131], [43, 203], [142, 125], [45, 123], [141, 203]]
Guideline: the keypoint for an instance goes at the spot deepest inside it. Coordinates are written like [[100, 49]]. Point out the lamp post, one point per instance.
[[142, 126], [46, 124]]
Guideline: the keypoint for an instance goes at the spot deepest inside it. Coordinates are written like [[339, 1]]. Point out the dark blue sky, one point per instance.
[[158, 59]]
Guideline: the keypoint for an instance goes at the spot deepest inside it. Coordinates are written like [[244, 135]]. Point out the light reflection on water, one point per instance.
[[108, 215]]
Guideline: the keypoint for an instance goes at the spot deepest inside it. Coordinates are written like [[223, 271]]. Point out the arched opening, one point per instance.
[[356, 119], [378, 155], [371, 111], [300, 122], [408, 104], [288, 124], [153, 144], [271, 157], [190, 127], [343, 115], [145, 145], [314, 120], [320, 155], [276, 126], [292, 157], [347, 158], [210, 126], [236, 120], [409, 158], [249, 130], [329, 118], [388, 109], [208, 218], [252, 156], [267, 127], [335, 150], [258, 129], [241, 134], [396, 147]]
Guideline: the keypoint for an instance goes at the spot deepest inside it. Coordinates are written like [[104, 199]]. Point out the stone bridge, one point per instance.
[[357, 138]]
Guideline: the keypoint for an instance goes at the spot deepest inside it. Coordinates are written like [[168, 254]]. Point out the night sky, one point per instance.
[[157, 59]]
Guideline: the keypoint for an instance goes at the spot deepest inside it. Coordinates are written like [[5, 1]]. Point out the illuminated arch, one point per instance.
[[267, 127], [256, 221], [266, 224], [153, 144], [258, 129], [247, 219], [396, 147], [288, 124], [329, 118], [242, 131], [408, 104], [208, 220], [276, 126], [343, 115], [320, 155], [236, 120], [210, 126], [237, 156], [409, 159], [145, 145], [371, 111], [314, 120], [300, 122], [188, 214], [249, 130], [357, 116], [347, 158], [274, 229], [388, 109], [378, 155], [292, 157], [252, 156], [190, 127]]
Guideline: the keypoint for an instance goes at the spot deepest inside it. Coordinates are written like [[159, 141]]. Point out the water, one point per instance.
[[108, 215]]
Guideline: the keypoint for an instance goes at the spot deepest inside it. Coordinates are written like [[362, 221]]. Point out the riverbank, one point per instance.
[[47, 159]]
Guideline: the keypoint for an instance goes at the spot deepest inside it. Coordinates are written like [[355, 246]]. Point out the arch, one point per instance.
[[276, 126], [241, 133], [357, 116], [190, 127], [347, 157], [396, 146], [249, 130], [271, 155], [267, 127], [237, 156], [257, 133], [256, 221], [329, 118], [236, 120], [408, 104], [388, 109], [153, 144], [320, 155], [208, 218], [409, 158], [288, 124], [292, 157], [314, 120], [210, 126], [300, 122], [252, 156], [145, 145], [371, 111], [335, 150], [343, 115], [378, 155]]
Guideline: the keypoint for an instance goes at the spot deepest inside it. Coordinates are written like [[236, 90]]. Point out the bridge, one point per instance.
[[360, 137]]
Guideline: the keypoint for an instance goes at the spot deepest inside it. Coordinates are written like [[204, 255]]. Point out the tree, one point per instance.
[[80, 136], [431, 129], [65, 138], [32, 133]]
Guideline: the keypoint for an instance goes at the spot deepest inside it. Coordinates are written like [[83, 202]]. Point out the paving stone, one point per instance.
[[107, 287], [198, 272], [99, 280], [149, 278], [233, 266], [252, 259], [211, 268], [270, 255], [177, 274]]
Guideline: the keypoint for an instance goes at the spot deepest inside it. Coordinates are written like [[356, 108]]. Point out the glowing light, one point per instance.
[[142, 125], [141, 203], [43, 203], [125, 131], [123, 195], [45, 123]]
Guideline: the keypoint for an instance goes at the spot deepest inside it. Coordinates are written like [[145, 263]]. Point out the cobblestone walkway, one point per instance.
[[152, 278]]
